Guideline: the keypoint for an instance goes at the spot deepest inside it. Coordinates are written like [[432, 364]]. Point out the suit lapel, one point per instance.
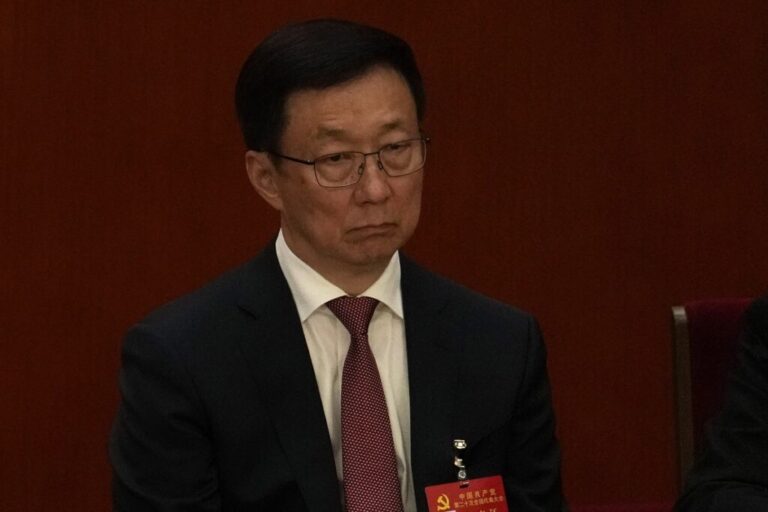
[[281, 366], [282, 369], [433, 357]]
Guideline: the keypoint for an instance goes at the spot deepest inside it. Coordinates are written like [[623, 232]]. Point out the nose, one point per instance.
[[374, 181], [375, 157]]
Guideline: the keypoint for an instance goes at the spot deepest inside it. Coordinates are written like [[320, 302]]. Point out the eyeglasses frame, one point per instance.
[[425, 140]]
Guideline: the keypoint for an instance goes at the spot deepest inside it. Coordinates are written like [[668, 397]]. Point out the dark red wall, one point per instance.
[[593, 162]]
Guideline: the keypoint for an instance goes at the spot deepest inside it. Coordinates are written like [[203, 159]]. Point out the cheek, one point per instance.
[[327, 211], [412, 198], [414, 212], [303, 199]]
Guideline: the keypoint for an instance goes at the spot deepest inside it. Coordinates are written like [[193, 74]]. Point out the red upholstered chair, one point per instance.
[[705, 335]]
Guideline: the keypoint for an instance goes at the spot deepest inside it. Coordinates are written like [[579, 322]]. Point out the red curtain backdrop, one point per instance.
[[593, 163]]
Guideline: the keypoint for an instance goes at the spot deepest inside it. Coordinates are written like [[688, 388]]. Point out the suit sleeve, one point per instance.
[[533, 478], [160, 446], [732, 474]]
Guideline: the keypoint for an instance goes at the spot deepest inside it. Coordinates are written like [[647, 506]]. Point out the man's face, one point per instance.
[[353, 229]]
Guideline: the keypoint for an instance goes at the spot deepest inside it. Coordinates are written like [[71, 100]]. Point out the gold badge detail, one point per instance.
[[443, 503]]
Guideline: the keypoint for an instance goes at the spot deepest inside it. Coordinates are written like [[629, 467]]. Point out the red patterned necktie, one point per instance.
[[371, 482]]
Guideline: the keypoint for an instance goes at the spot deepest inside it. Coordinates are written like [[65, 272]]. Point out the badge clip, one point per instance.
[[459, 446]]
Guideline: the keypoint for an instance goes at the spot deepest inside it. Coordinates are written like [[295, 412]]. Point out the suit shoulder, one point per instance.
[[757, 315], [755, 324], [471, 303], [205, 309]]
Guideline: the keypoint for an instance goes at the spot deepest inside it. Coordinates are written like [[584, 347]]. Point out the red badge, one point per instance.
[[478, 495]]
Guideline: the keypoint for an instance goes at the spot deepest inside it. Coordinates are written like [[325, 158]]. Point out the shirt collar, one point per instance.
[[311, 290]]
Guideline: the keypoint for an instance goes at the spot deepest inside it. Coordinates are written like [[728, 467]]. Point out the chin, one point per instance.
[[374, 253]]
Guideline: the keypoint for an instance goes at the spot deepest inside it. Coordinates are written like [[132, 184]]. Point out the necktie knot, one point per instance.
[[354, 313]]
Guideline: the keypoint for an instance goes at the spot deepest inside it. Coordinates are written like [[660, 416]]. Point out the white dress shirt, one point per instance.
[[328, 341]]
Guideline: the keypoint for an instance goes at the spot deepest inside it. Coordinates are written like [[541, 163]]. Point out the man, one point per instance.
[[262, 391], [732, 475]]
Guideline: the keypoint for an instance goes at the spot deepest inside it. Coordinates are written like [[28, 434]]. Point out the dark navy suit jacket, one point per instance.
[[221, 411]]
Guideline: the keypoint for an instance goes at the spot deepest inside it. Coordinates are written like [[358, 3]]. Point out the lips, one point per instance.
[[373, 229]]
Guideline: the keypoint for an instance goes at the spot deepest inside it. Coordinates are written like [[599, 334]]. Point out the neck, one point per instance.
[[353, 283], [352, 279]]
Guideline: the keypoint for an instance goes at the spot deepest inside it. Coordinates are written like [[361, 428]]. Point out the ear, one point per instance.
[[263, 175]]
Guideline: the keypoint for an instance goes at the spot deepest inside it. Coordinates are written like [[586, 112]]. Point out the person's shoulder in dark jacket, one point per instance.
[[732, 473]]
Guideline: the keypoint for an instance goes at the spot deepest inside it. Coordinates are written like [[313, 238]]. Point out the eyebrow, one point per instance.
[[325, 132], [328, 132]]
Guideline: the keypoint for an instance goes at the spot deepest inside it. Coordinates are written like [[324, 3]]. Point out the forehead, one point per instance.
[[378, 101]]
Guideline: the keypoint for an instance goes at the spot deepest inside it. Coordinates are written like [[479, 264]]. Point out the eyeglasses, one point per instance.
[[346, 167]]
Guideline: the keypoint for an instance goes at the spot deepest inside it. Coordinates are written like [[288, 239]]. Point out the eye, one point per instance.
[[337, 159], [396, 147]]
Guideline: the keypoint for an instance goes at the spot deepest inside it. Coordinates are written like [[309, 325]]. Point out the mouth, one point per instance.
[[385, 228]]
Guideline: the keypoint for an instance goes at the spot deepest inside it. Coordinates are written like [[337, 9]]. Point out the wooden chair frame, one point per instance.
[[683, 401]]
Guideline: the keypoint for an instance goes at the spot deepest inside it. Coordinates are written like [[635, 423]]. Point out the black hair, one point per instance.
[[314, 54]]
